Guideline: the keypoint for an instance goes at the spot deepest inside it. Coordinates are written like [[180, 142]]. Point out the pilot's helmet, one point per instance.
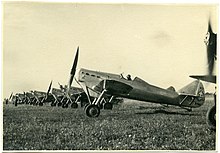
[[129, 77]]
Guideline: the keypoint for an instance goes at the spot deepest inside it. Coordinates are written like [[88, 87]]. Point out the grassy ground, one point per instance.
[[130, 125]]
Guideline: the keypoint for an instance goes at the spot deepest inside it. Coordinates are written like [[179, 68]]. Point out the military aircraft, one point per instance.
[[18, 98], [38, 97], [30, 98], [101, 85], [6, 100], [211, 46], [75, 95]]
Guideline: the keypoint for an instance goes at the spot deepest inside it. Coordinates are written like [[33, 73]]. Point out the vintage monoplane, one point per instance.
[[101, 85], [211, 47], [75, 95], [38, 97]]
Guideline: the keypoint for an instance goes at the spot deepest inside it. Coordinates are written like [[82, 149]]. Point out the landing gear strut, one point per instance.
[[108, 106]]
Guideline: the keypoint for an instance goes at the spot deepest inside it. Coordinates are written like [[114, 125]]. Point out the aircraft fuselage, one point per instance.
[[136, 89]]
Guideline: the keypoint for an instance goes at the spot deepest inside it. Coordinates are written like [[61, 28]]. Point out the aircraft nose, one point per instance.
[[77, 75]]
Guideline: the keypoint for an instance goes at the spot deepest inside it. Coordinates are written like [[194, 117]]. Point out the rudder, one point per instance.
[[192, 95]]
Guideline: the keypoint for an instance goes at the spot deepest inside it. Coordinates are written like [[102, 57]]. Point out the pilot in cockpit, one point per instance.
[[129, 77]]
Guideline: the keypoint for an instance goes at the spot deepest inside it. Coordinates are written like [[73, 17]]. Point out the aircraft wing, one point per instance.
[[207, 78], [113, 87]]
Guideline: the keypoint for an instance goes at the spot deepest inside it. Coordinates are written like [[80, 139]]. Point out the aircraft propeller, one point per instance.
[[210, 41], [10, 96], [73, 70], [48, 91], [211, 46], [61, 87]]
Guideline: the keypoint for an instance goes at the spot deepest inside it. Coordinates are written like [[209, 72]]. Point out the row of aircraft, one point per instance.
[[57, 97], [99, 89]]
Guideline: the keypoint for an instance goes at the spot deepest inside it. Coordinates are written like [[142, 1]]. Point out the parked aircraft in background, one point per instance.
[[75, 95], [32, 97]]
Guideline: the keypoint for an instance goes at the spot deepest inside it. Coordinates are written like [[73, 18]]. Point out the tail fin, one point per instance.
[[192, 95]]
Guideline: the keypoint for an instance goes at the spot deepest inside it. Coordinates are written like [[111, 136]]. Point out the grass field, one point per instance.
[[129, 126]]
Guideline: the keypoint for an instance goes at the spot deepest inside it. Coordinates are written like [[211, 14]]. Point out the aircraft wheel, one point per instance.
[[16, 103], [211, 118], [59, 104], [92, 111], [86, 105], [74, 105], [65, 105], [101, 106], [108, 106], [82, 103], [41, 104]]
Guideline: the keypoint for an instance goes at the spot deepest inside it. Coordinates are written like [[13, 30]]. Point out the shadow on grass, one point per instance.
[[161, 111]]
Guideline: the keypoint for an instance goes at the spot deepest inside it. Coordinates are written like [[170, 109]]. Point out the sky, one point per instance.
[[161, 43]]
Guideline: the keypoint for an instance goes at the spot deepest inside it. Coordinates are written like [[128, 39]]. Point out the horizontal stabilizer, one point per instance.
[[113, 87], [192, 95], [192, 89], [207, 78]]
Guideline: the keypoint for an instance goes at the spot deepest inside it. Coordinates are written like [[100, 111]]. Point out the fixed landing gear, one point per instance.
[[59, 104], [92, 110], [65, 105], [16, 103], [211, 118], [53, 104], [108, 106], [74, 105]]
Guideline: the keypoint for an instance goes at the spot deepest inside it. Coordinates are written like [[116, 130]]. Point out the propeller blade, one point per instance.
[[48, 91], [209, 27], [61, 87], [211, 48], [73, 70], [211, 61], [11, 96]]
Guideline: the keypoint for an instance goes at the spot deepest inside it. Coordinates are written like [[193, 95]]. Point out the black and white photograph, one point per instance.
[[109, 76]]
